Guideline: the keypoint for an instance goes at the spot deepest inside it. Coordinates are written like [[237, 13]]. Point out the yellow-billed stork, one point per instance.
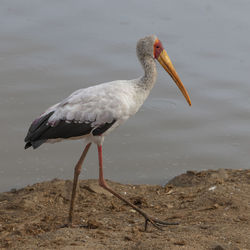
[[91, 113]]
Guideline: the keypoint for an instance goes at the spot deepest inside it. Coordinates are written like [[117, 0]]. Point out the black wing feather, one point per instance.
[[40, 131], [102, 128], [37, 127]]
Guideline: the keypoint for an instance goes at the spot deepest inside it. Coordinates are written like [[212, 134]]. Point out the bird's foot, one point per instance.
[[157, 223]]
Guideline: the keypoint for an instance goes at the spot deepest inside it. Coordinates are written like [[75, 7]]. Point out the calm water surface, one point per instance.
[[48, 49]]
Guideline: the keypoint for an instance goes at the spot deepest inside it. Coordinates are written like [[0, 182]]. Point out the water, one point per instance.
[[48, 49]]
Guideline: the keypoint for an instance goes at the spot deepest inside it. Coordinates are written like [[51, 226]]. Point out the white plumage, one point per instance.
[[97, 105]]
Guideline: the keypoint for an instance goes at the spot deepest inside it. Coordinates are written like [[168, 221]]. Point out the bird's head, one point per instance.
[[151, 46]]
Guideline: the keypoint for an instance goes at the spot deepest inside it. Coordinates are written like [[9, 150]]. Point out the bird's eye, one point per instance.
[[157, 47]]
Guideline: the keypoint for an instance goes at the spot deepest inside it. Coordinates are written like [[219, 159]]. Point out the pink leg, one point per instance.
[[155, 222], [76, 175]]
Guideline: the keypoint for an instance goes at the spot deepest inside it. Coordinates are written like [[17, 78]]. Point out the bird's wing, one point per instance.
[[96, 105], [90, 106], [92, 110]]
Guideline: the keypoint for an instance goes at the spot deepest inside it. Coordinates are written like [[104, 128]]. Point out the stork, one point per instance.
[[92, 113]]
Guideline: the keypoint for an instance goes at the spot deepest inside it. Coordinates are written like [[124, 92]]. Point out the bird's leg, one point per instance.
[[76, 175], [155, 222]]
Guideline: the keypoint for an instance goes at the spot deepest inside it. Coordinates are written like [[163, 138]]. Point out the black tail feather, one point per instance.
[[27, 145], [34, 144], [36, 130]]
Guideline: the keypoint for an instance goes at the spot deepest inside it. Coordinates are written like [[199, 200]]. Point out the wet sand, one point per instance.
[[211, 206]]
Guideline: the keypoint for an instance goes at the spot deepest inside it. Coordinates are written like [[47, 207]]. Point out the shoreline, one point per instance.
[[211, 206]]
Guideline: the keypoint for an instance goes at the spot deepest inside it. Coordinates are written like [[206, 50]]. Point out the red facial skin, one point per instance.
[[158, 48]]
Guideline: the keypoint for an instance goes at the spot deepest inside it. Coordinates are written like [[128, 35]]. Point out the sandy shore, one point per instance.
[[212, 207]]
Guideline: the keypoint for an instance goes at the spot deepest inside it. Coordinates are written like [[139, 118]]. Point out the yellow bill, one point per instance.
[[166, 63]]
